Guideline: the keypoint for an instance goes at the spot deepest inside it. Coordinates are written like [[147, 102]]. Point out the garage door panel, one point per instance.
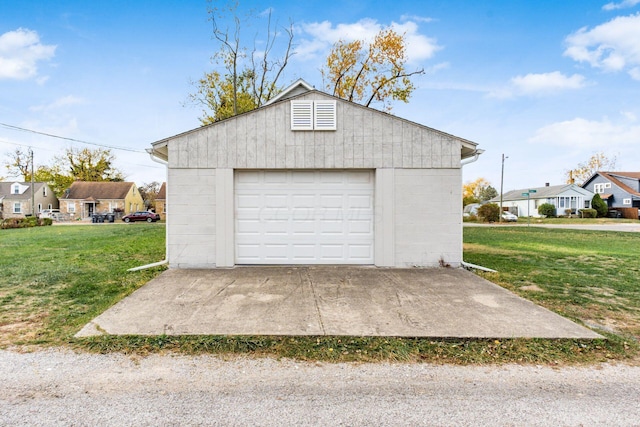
[[276, 177], [275, 201], [360, 252], [303, 252], [331, 201], [276, 252], [359, 177], [307, 201], [303, 228], [249, 201], [360, 227], [276, 228], [359, 201], [332, 227], [332, 252], [249, 227], [304, 217]]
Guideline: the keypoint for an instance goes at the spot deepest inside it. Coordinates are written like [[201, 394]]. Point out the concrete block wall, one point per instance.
[[192, 218], [428, 219]]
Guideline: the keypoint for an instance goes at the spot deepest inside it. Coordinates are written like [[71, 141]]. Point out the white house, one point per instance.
[[312, 179], [566, 198]]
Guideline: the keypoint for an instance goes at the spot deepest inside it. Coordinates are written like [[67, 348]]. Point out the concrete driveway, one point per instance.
[[335, 300]]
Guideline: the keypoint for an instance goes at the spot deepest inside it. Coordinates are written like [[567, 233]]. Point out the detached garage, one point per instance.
[[312, 179]]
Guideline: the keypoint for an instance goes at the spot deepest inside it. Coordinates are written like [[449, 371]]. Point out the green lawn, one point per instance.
[[591, 276], [56, 279]]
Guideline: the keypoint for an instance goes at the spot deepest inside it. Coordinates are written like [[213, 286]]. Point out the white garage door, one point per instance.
[[304, 217]]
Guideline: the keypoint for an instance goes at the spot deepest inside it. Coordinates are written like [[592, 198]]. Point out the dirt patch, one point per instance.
[[21, 330], [532, 288]]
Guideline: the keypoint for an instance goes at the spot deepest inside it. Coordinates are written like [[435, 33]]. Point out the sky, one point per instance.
[[547, 84]]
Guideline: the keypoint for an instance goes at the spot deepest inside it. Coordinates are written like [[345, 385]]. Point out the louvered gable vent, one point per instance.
[[325, 115], [313, 115], [301, 115]]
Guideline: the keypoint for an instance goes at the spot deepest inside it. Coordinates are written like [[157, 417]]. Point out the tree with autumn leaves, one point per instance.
[[74, 165], [245, 77], [477, 191], [597, 162], [370, 72]]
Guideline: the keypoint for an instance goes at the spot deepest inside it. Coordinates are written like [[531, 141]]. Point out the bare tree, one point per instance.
[[19, 164], [244, 83]]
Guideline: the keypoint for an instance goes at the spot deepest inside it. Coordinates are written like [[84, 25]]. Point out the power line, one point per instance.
[[113, 147]]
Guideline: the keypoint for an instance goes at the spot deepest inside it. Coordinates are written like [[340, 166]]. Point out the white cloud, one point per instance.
[[591, 134], [59, 103], [622, 5], [539, 84], [536, 83], [417, 18], [322, 35], [20, 52], [612, 46]]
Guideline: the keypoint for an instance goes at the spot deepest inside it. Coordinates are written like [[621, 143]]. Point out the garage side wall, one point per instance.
[[428, 220], [192, 218]]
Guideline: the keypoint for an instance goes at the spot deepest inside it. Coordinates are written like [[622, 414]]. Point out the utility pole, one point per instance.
[[33, 207], [501, 185]]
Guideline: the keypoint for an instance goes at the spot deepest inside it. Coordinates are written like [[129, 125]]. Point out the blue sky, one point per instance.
[[547, 83]]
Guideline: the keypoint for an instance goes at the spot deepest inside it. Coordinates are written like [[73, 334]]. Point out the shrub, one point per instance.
[[547, 209], [470, 218], [24, 222], [489, 212], [599, 205], [588, 213]]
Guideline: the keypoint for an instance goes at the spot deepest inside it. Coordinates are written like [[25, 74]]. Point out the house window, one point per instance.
[[71, 207], [39, 207], [626, 201], [16, 189], [313, 115], [17, 208], [598, 188], [44, 191], [49, 206], [587, 204]]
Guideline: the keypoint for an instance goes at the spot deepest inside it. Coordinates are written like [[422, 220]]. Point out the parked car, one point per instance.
[[470, 209], [613, 213], [509, 217], [49, 213], [141, 216]]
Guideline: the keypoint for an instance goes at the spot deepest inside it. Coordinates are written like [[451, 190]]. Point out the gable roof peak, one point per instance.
[[295, 88]]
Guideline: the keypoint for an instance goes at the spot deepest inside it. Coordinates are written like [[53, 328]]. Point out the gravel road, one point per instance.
[[64, 388]]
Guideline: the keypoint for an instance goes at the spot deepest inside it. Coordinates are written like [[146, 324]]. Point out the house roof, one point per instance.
[[162, 193], [612, 176], [81, 190], [299, 88], [543, 192], [6, 193]]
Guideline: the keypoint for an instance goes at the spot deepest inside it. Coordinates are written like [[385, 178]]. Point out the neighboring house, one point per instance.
[[161, 201], [618, 189], [312, 179], [567, 198], [15, 199], [83, 199]]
